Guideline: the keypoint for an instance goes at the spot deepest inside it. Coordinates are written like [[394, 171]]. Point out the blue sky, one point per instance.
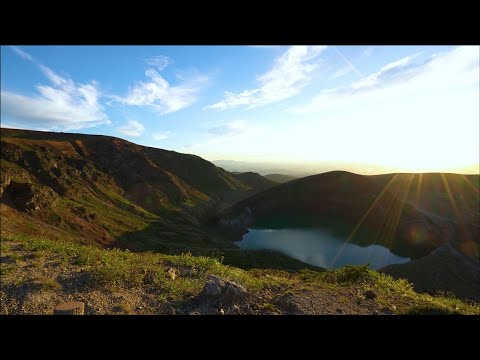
[[403, 108]]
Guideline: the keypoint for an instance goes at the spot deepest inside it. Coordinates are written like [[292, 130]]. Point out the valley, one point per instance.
[[139, 206]]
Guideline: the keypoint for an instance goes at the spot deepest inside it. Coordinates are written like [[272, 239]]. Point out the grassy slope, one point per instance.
[[115, 193], [116, 270]]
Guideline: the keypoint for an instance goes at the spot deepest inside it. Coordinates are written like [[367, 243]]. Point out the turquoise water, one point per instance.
[[319, 247]]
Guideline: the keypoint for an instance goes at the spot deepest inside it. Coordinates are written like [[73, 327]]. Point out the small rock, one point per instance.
[[387, 311], [221, 312], [194, 313], [6, 259], [340, 311], [171, 273], [70, 308], [117, 295], [234, 310], [170, 310], [369, 294]]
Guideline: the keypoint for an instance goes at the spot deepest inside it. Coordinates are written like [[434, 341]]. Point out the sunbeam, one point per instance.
[[362, 219]]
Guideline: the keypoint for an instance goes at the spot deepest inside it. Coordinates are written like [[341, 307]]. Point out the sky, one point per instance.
[[354, 108]]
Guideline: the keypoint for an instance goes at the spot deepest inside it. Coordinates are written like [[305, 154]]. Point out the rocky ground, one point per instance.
[[39, 275], [39, 283]]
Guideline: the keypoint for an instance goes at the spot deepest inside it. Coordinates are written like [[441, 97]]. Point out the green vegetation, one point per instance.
[[269, 307], [125, 308], [389, 291], [48, 284], [114, 268]]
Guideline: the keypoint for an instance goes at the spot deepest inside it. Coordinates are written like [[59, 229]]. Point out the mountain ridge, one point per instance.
[[105, 186]]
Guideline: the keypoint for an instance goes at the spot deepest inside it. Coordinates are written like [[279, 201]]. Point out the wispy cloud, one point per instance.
[[132, 128], [400, 70], [290, 73], [401, 79], [22, 53], [54, 77], [395, 72], [350, 63], [160, 61], [161, 135], [365, 54], [9, 126], [159, 94], [229, 129], [348, 68], [64, 106], [419, 115]]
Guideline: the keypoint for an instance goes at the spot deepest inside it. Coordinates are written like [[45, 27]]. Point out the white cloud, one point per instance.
[[161, 95], [55, 78], [13, 126], [22, 53], [290, 73], [132, 128], [64, 106], [400, 72], [160, 61], [347, 69], [415, 116], [161, 135]]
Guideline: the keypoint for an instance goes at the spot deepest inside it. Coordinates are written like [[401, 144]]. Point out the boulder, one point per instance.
[[228, 292], [70, 308]]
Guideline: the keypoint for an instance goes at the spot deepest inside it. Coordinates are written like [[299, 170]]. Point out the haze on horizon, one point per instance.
[[363, 109]]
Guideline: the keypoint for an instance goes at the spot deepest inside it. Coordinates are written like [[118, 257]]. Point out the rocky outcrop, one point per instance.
[[445, 269], [29, 197], [225, 292]]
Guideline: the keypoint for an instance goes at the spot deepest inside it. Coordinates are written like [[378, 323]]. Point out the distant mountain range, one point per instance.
[[263, 168], [300, 169], [279, 178]]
